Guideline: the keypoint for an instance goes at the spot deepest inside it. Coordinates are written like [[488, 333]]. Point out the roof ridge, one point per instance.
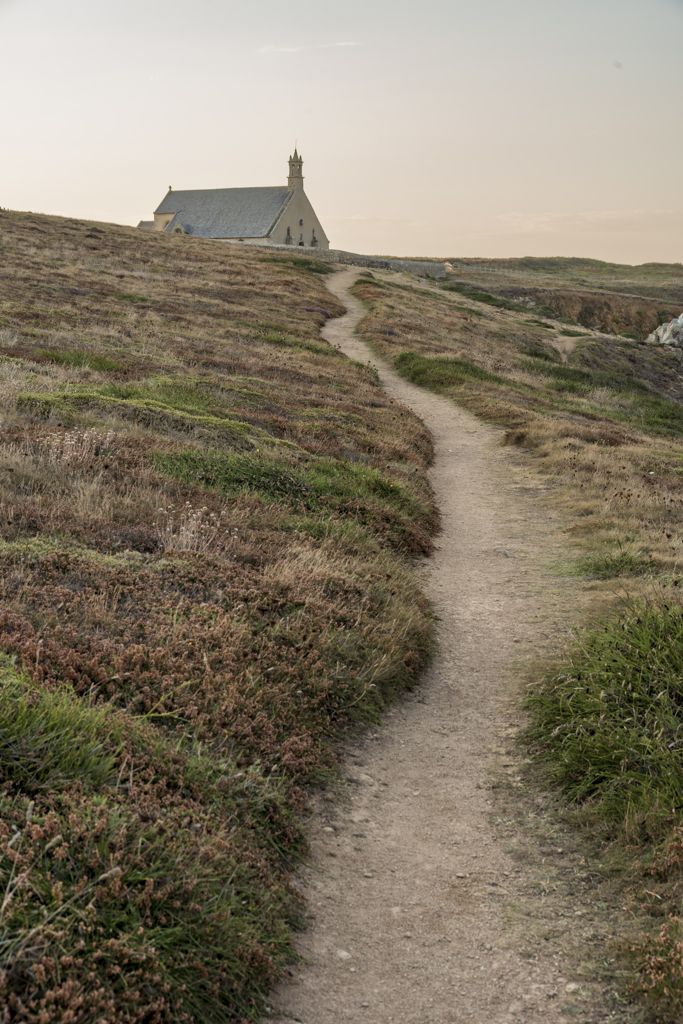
[[230, 188]]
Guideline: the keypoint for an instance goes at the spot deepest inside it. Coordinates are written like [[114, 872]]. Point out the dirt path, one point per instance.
[[412, 893]]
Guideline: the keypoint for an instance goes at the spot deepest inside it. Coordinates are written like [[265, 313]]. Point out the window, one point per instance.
[[301, 223]]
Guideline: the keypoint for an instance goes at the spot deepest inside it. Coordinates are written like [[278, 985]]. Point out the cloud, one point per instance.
[[584, 223], [299, 49]]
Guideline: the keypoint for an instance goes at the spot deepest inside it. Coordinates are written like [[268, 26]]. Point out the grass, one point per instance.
[[207, 521], [303, 263], [615, 565], [602, 431], [129, 297], [608, 730], [132, 868], [441, 373], [81, 358], [348, 489], [478, 295], [609, 297], [540, 351]]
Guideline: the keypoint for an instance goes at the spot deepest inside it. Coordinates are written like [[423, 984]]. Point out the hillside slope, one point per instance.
[[595, 424], [206, 516]]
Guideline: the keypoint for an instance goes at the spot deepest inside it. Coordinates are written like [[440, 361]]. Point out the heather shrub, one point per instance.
[[137, 883], [658, 963], [204, 581]]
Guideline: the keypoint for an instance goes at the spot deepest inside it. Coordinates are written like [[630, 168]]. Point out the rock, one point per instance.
[[572, 987], [343, 955], [668, 334]]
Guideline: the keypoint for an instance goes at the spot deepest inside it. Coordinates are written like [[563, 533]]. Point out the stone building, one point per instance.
[[274, 215]]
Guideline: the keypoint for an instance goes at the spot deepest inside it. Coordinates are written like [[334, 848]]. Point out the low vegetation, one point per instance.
[[207, 520], [609, 297], [600, 419]]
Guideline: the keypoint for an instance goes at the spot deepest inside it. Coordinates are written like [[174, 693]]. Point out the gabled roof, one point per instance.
[[176, 224], [227, 212]]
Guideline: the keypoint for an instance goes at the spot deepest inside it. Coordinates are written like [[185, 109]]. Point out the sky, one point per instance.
[[493, 128]]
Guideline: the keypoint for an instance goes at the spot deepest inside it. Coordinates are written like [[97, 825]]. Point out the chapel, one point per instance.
[[272, 215]]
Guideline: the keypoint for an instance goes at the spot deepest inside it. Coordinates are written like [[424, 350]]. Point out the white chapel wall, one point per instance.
[[299, 209]]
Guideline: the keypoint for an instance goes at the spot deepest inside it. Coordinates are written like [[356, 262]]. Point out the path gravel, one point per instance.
[[412, 893]]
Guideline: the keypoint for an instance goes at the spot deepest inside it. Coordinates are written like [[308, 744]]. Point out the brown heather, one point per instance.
[[207, 517]]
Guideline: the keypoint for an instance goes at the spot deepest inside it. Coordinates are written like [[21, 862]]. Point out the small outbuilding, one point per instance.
[[274, 215]]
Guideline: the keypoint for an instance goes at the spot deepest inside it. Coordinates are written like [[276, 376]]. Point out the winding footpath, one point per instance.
[[411, 891]]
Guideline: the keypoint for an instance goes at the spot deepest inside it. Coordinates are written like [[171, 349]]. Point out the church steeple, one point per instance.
[[296, 178]]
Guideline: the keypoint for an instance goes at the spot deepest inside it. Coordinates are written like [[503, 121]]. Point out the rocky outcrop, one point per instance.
[[668, 334]]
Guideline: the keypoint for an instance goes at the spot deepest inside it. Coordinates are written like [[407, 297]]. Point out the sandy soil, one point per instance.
[[411, 888]]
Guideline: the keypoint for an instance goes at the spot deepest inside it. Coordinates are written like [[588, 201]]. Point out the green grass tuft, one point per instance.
[[612, 566], [441, 373], [608, 728], [130, 297], [303, 263], [545, 352], [477, 295], [351, 490], [82, 359], [38, 747]]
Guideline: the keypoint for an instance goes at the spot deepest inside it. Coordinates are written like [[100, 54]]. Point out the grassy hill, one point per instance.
[[599, 418], [207, 523], [610, 297], [206, 517]]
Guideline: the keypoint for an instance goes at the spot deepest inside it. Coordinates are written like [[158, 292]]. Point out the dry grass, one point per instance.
[[206, 523], [603, 429]]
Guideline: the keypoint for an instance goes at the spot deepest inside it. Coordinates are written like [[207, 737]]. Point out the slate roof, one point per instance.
[[226, 212]]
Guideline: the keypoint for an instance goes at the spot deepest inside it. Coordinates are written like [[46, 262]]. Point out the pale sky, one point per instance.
[[449, 128]]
